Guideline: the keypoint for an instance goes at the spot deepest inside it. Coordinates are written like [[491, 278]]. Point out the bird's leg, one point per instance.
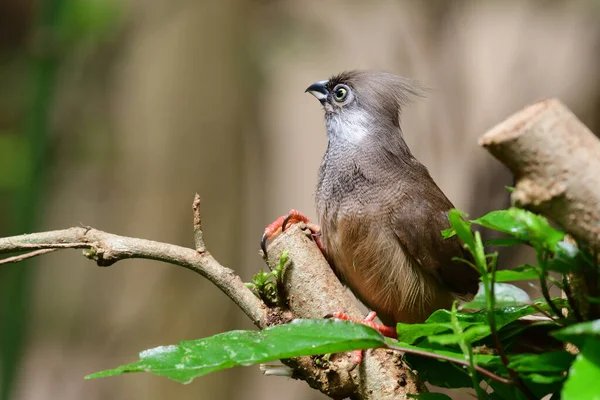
[[389, 331], [281, 223]]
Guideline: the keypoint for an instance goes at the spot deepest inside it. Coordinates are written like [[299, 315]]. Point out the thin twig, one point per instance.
[[21, 257], [107, 248], [378, 376], [544, 284], [424, 353], [566, 287], [545, 313], [198, 235], [55, 246]]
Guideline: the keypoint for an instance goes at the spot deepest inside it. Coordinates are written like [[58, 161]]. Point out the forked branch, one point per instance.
[[312, 290]]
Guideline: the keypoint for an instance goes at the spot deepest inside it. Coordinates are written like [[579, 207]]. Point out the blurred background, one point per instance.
[[114, 113]]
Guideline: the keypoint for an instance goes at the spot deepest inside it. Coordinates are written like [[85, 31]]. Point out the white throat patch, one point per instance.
[[352, 126]]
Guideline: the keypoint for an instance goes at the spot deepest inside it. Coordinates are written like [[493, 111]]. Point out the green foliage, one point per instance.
[[194, 358], [265, 284], [584, 374], [550, 371], [480, 344]]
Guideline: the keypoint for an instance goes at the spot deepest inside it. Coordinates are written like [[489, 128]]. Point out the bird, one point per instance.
[[380, 213]]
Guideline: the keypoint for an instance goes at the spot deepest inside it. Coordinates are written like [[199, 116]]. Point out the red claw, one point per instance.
[[389, 331], [281, 223]]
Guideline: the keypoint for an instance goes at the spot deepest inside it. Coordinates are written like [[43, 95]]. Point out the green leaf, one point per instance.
[[470, 335], [446, 374], [554, 361], [577, 333], [441, 319], [568, 258], [430, 396], [543, 373], [523, 225], [283, 259], [525, 272], [448, 233], [505, 294], [462, 227], [410, 333], [261, 278], [583, 382], [502, 221], [478, 253], [194, 358], [440, 373]]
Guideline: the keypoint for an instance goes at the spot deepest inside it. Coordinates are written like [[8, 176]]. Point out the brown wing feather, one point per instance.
[[418, 225]]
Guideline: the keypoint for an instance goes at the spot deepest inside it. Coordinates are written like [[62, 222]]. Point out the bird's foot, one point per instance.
[[281, 223], [389, 331]]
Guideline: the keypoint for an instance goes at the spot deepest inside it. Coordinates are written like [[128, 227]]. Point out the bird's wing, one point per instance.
[[417, 222]]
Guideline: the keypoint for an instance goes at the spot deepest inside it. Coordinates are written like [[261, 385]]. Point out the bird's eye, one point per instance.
[[340, 93]]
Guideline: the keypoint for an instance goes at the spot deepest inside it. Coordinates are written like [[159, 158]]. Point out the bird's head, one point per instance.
[[359, 103]]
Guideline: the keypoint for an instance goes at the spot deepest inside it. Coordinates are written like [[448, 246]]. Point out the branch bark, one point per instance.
[[555, 159], [312, 291], [107, 248], [556, 162]]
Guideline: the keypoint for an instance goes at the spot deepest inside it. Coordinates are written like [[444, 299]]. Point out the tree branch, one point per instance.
[[311, 288], [555, 160], [313, 291], [107, 248], [198, 234], [21, 257]]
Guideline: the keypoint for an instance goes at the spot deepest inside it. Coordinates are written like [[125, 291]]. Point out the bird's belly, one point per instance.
[[376, 267]]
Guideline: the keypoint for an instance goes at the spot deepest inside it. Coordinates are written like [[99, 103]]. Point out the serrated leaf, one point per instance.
[[194, 358], [448, 233], [583, 382], [260, 278]]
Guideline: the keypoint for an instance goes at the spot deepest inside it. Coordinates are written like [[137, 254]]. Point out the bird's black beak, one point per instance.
[[319, 90]]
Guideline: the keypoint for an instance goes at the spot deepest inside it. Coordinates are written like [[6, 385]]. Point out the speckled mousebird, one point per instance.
[[380, 212]]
